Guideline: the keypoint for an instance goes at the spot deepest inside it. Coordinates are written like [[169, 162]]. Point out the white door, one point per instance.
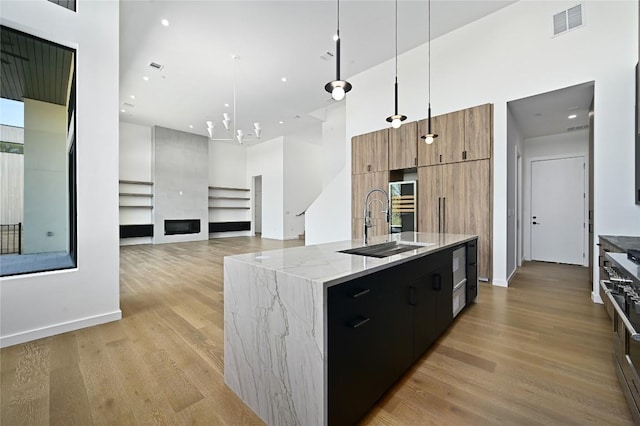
[[557, 210]]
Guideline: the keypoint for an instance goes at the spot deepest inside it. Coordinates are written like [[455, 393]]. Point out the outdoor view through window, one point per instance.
[[37, 155]]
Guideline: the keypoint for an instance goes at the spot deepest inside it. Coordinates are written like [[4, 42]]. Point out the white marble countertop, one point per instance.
[[324, 264]]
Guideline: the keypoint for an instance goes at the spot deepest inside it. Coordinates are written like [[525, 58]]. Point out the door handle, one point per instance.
[[444, 214], [358, 322], [439, 214]]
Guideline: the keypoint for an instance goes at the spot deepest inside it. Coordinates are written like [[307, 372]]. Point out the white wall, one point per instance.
[[136, 164], [334, 127], [228, 168], [136, 147], [302, 183], [515, 146], [88, 295], [46, 201], [563, 145], [228, 165], [511, 54], [267, 159]]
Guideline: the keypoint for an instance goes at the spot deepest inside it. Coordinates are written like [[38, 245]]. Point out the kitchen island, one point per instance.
[[313, 335]]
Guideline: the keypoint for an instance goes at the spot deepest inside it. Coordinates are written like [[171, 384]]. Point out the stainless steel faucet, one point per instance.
[[367, 212]]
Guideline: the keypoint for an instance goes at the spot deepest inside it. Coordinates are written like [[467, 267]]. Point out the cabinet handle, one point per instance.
[[412, 295], [436, 281], [444, 214], [415, 161], [439, 214], [368, 167], [358, 322], [361, 293], [441, 158]]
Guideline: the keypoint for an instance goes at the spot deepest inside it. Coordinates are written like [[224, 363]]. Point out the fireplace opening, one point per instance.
[[181, 226]]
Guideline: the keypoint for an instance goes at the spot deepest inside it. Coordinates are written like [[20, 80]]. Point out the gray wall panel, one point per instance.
[[181, 182]]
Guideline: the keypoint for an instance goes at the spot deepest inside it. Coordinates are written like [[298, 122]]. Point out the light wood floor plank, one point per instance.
[[537, 353]]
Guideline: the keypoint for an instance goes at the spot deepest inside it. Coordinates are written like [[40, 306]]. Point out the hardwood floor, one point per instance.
[[536, 353]]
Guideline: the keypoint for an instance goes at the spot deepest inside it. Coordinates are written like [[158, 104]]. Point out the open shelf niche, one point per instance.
[[136, 210], [229, 209]]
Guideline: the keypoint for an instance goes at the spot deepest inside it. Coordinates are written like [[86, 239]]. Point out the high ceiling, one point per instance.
[[273, 39]]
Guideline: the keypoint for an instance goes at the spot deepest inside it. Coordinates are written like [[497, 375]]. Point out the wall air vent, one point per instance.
[[156, 66], [568, 20]]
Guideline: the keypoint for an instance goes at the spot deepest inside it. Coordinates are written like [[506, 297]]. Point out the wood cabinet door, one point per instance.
[[428, 154], [450, 131], [360, 186], [478, 132], [477, 210], [403, 147], [370, 152], [454, 189], [429, 198]]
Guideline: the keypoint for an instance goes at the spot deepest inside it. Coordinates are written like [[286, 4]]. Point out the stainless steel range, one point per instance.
[[622, 287]]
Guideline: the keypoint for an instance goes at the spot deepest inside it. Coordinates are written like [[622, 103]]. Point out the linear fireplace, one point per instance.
[[181, 226]]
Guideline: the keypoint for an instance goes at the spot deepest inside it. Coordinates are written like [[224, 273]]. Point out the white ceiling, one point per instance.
[[548, 113], [273, 39]]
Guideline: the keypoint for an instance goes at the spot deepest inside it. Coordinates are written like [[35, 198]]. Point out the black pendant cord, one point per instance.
[[430, 136], [396, 84], [396, 118], [338, 43]]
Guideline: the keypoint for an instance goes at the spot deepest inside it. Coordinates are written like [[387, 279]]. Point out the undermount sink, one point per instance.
[[383, 249]]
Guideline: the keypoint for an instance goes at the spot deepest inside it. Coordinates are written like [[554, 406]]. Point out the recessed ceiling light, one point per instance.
[[281, 122], [132, 96], [145, 78], [335, 37], [283, 79], [572, 116], [165, 22], [191, 126], [123, 110], [226, 105]]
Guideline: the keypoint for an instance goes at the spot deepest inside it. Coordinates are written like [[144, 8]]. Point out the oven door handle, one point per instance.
[[632, 331]]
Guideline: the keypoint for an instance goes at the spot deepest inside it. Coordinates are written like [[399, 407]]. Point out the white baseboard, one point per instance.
[[500, 283], [595, 297], [52, 330], [513, 273]]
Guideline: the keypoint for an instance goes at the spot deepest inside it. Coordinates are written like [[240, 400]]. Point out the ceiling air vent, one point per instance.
[[567, 20], [127, 105], [326, 56], [573, 129], [156, 66]]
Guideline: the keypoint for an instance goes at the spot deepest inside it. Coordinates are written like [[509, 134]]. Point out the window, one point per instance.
[[37, 155]]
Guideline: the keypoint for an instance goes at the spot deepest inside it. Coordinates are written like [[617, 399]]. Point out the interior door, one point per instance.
[[557, 210]]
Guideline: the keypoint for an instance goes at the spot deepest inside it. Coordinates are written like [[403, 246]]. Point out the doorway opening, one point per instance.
[[257, 205], [549, 150]]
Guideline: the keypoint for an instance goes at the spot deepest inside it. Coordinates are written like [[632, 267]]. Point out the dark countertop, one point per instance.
[[624, 243]]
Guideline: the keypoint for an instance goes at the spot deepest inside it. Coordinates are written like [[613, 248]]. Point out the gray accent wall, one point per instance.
[[181, 182]]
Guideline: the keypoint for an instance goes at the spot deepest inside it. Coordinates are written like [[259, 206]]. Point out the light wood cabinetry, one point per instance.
[[456, 198], [478, 125], [370, 152], [464, 135], [448, 147], [370, 170], [403, 147]]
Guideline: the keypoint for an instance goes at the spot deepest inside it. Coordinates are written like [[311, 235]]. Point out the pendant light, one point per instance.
[[430, 136], [238, 134], [396, 119], [338, 87]]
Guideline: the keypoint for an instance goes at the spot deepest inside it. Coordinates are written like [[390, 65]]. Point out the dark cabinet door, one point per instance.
[[353, 323], [432, 299]]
